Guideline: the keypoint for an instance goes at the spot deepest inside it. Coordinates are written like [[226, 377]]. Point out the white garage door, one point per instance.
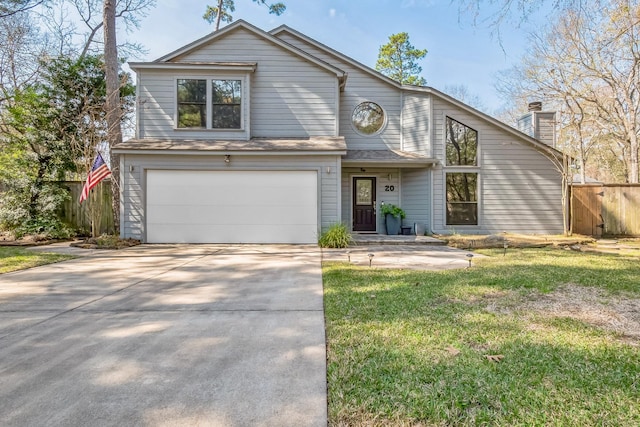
[[232, 206]]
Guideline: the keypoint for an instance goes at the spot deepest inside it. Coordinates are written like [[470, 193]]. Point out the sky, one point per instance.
[[459, 52]]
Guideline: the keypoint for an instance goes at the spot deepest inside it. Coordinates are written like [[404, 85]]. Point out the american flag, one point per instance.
[[98, 172]]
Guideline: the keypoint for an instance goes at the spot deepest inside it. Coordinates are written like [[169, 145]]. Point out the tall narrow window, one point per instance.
[[462, 198], [462, 144], [226, 104], [192, 103], [461, 173]]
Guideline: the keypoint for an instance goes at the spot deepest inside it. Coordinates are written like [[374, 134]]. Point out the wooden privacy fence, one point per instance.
[[99, 204], [606, 209]]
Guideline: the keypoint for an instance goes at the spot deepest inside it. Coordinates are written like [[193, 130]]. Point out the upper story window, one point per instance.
[[222, 109], [461, 145], [226, 104], [461, 173], [368, 118], [192, 103]]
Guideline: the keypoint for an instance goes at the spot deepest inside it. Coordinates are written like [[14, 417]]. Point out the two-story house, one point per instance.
[[247, 136]]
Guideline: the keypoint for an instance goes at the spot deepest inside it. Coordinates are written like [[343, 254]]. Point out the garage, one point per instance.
[[188, 206]]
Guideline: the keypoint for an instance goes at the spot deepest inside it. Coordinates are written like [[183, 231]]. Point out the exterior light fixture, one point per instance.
[[370, 258], [328, 170], [470, 256], [390, 176], [227, 158]]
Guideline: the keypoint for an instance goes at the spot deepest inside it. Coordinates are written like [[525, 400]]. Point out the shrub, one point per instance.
[[46, 228], [336, 236], [18, 217]]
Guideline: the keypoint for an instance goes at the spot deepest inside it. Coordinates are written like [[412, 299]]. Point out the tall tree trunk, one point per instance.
[[112, 106], [219, 14]]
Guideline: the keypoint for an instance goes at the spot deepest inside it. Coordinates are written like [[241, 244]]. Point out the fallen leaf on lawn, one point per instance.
[[494, 357], [453, 351]]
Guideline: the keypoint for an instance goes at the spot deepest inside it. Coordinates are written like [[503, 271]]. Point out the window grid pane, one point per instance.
[[461, 144], [226, 107], [462, 198], [192, 103]]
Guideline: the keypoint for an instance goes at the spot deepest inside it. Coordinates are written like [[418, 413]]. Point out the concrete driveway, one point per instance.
[[164, 335]]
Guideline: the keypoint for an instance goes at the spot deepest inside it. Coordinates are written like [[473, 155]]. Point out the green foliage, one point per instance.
[[221, 11], [390, 209], [16, 205], [398, 60], [409, 347], [336, 236], [15, 258], [53, 128], [49, 228]]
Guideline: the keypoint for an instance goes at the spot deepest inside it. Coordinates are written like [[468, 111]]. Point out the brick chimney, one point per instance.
[[539, 124]]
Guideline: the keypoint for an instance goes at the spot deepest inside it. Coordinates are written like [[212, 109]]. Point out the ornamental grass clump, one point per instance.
[[336, 236]]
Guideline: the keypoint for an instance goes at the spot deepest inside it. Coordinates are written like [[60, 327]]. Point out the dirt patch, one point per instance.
[[513, 241], [8, 239], [586, 304]]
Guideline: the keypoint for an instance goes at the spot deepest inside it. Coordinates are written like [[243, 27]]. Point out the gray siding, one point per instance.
[[289, 96], [361, 87], [415, 123], [416, 197], [546, 127], [133, 183], [519, 188], [382, 193]]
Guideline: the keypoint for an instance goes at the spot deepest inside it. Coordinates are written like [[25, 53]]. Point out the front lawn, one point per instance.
[[17, 258], [536, 337]]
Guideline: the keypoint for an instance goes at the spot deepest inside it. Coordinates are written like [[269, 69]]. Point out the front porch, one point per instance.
[[372, 178]]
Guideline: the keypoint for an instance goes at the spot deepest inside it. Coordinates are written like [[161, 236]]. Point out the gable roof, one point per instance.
[[540, 146], [340, 74], [335, 53], [537, 144]]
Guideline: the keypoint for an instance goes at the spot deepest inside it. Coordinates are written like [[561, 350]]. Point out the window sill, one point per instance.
[[207, 130]]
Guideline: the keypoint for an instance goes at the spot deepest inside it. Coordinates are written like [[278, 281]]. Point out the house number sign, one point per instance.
[[389, 188]]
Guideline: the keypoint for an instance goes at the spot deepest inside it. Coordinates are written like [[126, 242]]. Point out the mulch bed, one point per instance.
[[102, 243]]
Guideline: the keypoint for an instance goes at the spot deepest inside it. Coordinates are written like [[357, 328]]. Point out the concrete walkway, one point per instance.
[[407, 257], [161, 335]]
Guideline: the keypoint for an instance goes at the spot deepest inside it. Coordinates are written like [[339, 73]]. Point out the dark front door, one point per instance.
[[364, 204]]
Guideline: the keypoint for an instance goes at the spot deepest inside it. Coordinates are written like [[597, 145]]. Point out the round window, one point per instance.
[[368, 118]]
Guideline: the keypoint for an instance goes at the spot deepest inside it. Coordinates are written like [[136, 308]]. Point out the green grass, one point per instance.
[[409, 348], [16, 258]]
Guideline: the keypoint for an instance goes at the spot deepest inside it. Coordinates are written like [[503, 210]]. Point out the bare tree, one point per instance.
[[588, 65], [22, 47], [461, 92], [496, 13], [15, 7], [90, 12]]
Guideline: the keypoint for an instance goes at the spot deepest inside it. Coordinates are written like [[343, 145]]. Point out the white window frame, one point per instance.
[[244, 108]]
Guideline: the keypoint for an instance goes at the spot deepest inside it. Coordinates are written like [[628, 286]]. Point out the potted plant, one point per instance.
[[393, 217]]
